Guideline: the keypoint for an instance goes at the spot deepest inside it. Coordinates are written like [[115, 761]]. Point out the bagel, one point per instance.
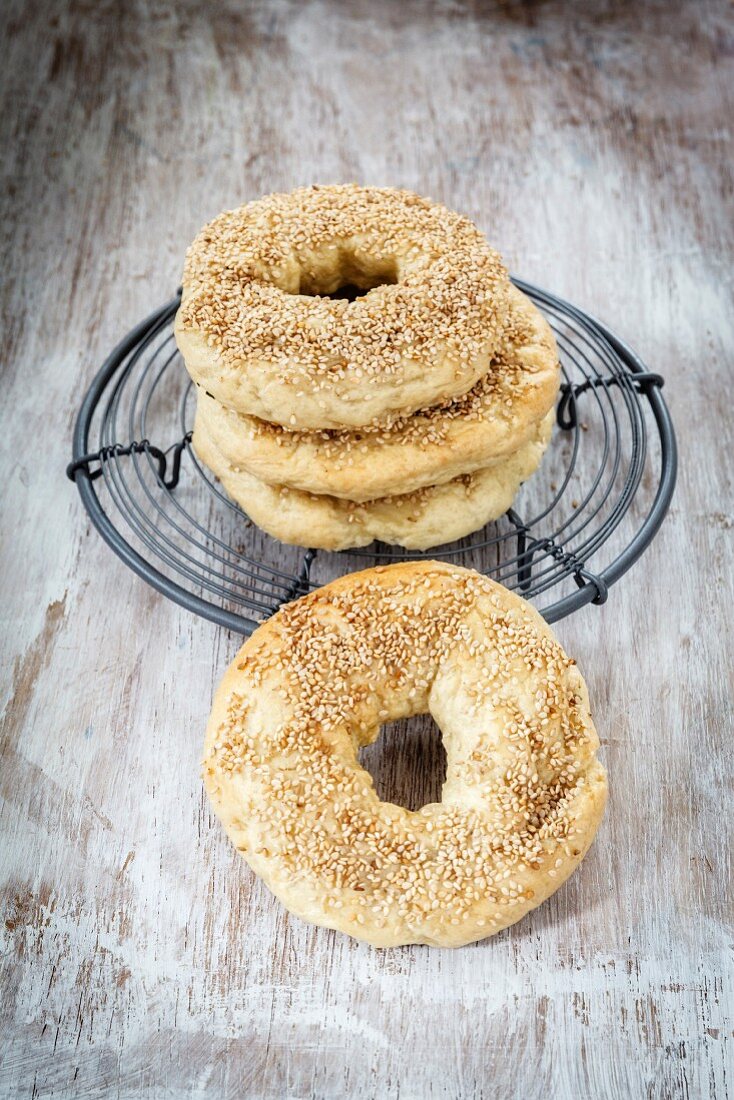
[[255, 330], [428, 517], [430, 447], [524, 792]]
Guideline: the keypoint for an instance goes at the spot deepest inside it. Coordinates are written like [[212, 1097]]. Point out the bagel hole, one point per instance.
[[351, 292], [407, 762], [346, 278]]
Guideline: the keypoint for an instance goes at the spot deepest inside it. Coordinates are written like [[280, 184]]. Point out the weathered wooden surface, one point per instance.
[[140, 957]]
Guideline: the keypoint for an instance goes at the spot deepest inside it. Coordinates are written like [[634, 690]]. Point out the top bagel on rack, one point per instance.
[[257, 332]]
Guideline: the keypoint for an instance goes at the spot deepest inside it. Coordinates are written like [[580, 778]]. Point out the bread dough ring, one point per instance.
[[428, 517], [524, 792], [255, 332], [430, 447]]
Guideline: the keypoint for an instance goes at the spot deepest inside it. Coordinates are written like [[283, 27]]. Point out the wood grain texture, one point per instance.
[[140, 958]]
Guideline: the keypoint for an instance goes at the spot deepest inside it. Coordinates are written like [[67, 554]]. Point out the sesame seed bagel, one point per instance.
[[255, 330], [430, 447], [524, 792], [427, 517]]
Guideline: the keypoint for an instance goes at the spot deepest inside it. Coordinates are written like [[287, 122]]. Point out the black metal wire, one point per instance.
[[166, 517]]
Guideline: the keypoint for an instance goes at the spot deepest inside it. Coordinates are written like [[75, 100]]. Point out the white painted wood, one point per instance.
[[140, 958]]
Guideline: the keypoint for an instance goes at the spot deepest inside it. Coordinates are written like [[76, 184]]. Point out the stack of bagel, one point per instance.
[[408, 410]]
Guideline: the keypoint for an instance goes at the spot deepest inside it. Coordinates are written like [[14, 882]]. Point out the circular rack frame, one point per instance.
[[166, 517]]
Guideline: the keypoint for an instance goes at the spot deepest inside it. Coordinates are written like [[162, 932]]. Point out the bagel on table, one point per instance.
[[524, 792], [257, 332], [429, 447], [427, 517]]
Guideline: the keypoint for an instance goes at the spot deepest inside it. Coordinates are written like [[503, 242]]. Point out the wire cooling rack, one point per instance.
[[580, 523]]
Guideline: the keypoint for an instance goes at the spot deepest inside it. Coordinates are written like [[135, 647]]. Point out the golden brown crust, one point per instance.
[[427, 517], [524, 792], [430, 447], [255, 331]]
